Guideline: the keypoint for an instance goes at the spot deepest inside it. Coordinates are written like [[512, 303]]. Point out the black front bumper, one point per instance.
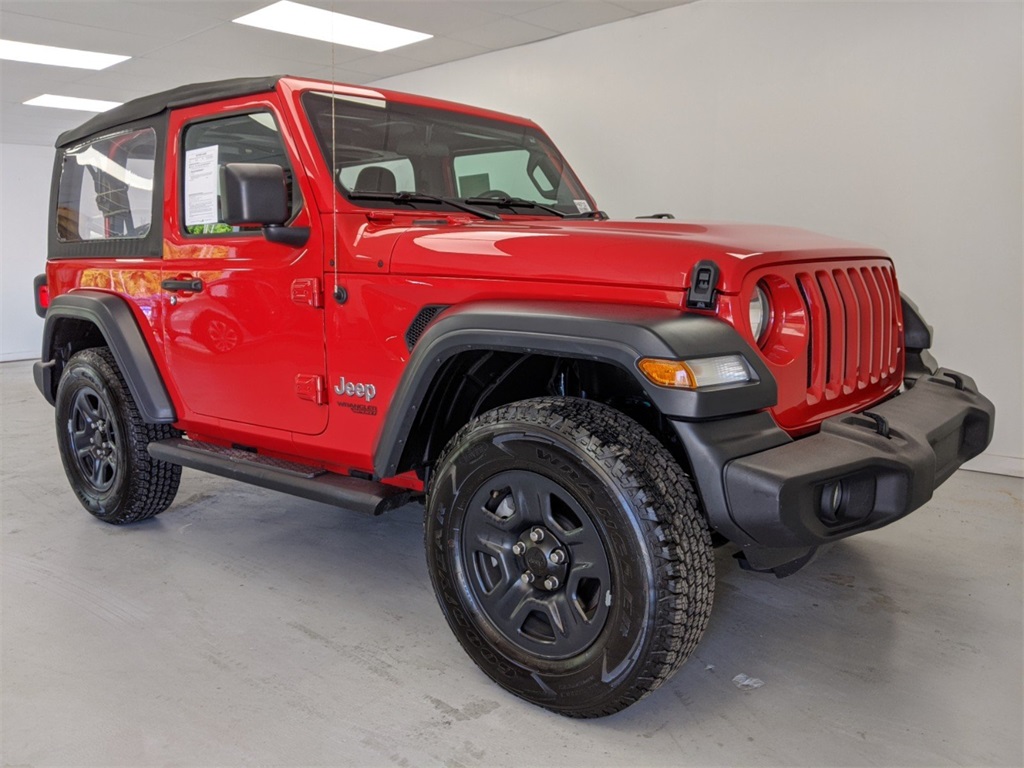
[[781, 502]]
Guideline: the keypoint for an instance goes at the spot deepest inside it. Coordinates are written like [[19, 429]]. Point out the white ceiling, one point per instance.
[[173, 42]]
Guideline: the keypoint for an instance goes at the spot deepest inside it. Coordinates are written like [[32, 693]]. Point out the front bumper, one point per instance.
[[781, 502]]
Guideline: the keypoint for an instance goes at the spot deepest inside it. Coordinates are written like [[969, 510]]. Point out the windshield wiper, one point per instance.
[[511, 202], [417, 197], [504, 201]]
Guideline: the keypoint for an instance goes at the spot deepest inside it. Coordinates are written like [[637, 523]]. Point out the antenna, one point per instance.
[[334, 166]]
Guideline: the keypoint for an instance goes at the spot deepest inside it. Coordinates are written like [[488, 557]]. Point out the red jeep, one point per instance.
[[364, 297]]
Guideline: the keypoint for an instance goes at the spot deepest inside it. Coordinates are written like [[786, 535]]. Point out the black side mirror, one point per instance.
[[253, 193]]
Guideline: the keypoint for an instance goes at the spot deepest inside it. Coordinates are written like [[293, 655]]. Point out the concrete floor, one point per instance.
[[247, 627]]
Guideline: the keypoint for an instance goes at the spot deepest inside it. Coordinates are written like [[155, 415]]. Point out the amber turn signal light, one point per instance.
[[697, 373], [668, 373]]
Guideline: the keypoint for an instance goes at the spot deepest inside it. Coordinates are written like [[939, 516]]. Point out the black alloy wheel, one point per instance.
[[102, 440], [569, 554], [535, 565], [93, 437]]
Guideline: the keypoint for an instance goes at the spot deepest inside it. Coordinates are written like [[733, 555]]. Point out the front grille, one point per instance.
[[853, 330]]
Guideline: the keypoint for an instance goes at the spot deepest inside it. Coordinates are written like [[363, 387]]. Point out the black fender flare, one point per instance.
[[616, 334], [112, 316], [917, 341]]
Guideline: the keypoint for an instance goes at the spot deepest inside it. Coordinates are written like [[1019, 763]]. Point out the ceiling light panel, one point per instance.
[[72, 102], [58, 57], [338, 28]]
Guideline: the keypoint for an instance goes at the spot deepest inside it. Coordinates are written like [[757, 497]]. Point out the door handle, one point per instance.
[[192, 285]]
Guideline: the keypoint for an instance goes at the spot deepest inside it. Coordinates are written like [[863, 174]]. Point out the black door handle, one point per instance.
[[195, 285]]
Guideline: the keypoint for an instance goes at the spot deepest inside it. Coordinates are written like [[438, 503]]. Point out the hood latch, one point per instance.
[[702, 294]]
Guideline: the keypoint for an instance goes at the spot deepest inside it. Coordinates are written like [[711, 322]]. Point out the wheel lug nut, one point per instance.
[[518, 548], [557, 557], [527, 578], [550, 583], [537, 534]]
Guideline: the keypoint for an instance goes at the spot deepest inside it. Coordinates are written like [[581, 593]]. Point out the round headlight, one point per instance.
[[759, 313]]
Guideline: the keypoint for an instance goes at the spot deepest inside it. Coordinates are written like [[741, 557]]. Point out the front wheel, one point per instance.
[[568, 553], [102, 440]]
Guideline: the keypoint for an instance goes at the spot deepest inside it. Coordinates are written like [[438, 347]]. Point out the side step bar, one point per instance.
[[353, 493]]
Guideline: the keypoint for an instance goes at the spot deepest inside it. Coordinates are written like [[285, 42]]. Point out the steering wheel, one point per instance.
[[493, 194]]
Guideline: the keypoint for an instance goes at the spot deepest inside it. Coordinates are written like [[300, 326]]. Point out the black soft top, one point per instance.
[[182, 96]]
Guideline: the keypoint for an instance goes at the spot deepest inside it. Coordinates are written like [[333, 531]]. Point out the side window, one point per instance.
[[106, 188], [208, 145]]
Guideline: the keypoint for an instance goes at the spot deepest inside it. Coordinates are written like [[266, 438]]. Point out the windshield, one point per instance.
[[386, 154]]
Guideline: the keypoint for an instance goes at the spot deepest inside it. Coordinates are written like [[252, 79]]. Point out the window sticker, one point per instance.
[[582, 206], [201, 186]]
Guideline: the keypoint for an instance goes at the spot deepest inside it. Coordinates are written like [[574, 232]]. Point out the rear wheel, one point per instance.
[[568, 554], [102, 440]]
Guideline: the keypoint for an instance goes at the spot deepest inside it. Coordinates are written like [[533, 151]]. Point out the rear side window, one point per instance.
[[106, 188]]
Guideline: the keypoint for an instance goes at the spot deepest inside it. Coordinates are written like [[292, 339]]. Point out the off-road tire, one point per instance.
[[600, 484], [102, 440]]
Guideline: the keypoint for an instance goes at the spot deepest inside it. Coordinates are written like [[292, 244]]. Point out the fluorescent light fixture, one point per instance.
[[72, 102], [338, 28], [58, 57]]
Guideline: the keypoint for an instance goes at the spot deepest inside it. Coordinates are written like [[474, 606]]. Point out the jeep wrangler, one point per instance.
[[365, 298]]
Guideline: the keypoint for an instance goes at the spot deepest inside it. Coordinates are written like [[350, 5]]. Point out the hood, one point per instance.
[[656, 254]]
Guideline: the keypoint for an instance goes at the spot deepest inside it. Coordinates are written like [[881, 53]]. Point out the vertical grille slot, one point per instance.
[[877, 323], [889, 344], [817, 341], [853, 339], [864, 304], [851, 371], [836, 319]]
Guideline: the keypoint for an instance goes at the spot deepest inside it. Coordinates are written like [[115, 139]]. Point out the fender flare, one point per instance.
[[616, 334], [114, 319], [917, 333], [917, 341]]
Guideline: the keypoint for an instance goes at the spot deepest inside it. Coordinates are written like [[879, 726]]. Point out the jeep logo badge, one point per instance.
[[351, 389]]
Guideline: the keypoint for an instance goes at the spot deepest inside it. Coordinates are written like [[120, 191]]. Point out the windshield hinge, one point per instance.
[[306, 291], [311, 387]]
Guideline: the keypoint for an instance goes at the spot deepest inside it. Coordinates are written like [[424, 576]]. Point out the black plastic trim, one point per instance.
[[703, 290], [919, 362], [353, 493], [711, 445], [115, 321], [293, 236], [917, 340], [182, 96], [419, 323], [917, 334], [774, 497], [616, 334]]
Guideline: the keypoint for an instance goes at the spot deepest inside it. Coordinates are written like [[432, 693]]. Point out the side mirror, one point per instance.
[[253, 193]]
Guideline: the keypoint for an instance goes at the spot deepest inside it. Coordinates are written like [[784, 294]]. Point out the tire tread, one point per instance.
[[151, 485], [672, 522]]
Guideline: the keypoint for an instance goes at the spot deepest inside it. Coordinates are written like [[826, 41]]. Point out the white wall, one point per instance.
[[894, 124], [24, 200]]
